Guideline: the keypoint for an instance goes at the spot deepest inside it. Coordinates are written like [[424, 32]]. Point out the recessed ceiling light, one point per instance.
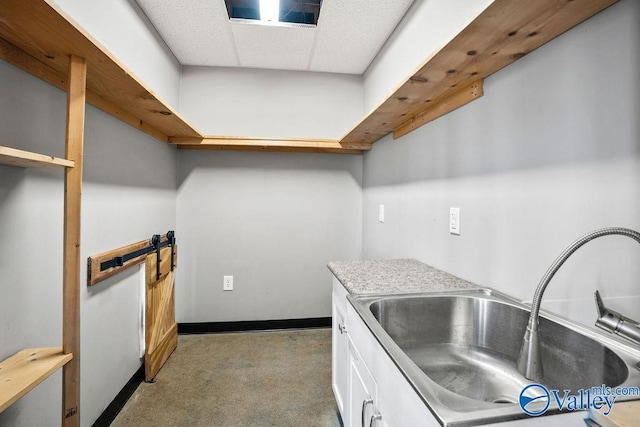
[[270, 10], [275, 12]]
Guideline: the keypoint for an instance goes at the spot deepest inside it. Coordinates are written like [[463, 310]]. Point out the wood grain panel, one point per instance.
[[26, 159], [20, 373], [41, 30], [161, 329], [270, 144], [440, 107], [284, 149], [26, 62], [74, 143], [94, 275], [503, 33], [623, 414]]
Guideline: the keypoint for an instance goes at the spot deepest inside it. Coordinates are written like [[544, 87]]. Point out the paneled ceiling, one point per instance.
[[348, 36]]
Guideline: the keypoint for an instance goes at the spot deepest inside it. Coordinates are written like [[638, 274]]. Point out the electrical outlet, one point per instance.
[[381, 213], [227, 285], [454, 221]]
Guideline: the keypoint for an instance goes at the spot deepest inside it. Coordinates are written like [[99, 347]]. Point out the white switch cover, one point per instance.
[[454, 221], [381, 213], [228, 283]]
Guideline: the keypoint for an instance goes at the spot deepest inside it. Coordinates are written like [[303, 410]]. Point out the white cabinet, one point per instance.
[[363, 392], [339, 350], [369, 388], [395, 399], [353, 384]]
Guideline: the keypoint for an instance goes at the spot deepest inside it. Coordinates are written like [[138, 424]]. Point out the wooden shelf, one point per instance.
[[26, 369], [36, 36], [39, 38], [26, 159], [270, 144], [503, 33]]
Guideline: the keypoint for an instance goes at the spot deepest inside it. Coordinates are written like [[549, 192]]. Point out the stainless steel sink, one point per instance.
[[459, 351]]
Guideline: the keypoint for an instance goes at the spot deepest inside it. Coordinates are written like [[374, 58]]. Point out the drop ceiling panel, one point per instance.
[[350, 33], [277, 47], [196, 31], [348, 36]]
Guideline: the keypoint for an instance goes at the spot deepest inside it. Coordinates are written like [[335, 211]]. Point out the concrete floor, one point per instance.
[[280, 378]]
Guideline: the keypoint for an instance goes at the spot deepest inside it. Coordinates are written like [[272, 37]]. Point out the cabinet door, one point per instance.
[[363, 391], [339, 358]]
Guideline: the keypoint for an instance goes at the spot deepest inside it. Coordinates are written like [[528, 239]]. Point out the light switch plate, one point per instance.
[[227, 283], [381, 213], [454, 221]]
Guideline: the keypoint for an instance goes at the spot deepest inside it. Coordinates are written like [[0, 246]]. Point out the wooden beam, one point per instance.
[[269, 149], [504, 32], [20, 373], [28, 63], [120, 113], [94, 275], [447, 103], [39, 69], [41, 30], [76, 97], [45, 72], [270, 144], [26, 159]]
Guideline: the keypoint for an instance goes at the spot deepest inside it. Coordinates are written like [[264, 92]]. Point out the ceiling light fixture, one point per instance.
[[270, 10], [280, 13]]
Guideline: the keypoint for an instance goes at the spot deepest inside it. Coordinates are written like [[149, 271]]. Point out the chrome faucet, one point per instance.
[[616, 323], [529, 360]]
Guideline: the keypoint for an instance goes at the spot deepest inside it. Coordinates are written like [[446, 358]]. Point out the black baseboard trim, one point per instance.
[[111, 412], [252, 325]]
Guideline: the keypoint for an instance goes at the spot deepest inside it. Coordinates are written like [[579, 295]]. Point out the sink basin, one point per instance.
[[459, 351]]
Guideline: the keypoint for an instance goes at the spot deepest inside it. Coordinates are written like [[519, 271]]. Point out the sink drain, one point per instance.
[[503, 399]]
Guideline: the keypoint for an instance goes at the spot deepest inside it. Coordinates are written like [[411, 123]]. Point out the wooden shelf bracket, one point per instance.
[[447, 103]]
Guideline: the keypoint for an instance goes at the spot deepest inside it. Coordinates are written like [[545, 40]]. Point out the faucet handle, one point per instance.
[[616, 323], [600, 305], [608, 320]]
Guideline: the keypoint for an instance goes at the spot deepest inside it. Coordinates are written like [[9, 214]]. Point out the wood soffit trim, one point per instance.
[[503, 33]]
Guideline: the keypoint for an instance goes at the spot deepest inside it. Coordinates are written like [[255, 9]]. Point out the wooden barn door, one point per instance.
[[161, 330]]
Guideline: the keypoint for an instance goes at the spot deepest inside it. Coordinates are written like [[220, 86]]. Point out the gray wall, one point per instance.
[[549, 153], [129, 193], [125, 31], [270, 103], [271, 220]]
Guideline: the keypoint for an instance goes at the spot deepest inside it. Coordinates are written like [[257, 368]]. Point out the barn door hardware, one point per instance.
[[158, 244], [155, 241], [171, 237], [106, 264]]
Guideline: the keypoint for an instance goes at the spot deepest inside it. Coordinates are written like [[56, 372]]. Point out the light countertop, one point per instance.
[[394, 276], [623, 414]]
